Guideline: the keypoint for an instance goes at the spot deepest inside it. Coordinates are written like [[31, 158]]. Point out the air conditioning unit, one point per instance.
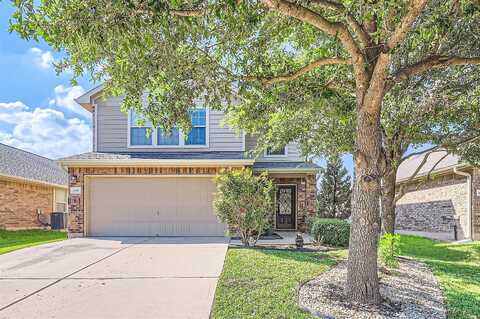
[[58, 220]]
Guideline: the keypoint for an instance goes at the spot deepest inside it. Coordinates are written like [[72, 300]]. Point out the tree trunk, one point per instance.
[[388, 201], [362, 278]]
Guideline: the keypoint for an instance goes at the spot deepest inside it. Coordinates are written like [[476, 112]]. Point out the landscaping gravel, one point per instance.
[[410, 291]]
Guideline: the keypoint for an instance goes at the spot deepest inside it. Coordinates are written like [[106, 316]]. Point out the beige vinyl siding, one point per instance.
[[293, 152], [112, 132]]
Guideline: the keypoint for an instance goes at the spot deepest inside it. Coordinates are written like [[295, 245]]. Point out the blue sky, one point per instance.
[[37, 110]]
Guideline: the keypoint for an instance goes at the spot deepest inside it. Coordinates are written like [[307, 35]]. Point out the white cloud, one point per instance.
[[65, 97], [44, 59], [13, 106], [44, 131]]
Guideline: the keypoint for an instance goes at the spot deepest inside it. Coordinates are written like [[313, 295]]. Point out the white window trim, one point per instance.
[[285, 154], [181, 136]]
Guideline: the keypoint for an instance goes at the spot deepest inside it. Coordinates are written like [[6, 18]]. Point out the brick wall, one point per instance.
[[476, 203], [306, 193], [77, 177], [19, 203], [433, 206], [306, 188]]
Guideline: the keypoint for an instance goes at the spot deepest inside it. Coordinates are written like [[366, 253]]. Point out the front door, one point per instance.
[[286, 206]]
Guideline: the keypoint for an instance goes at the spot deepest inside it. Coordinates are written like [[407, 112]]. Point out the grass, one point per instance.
[[456, 266], [262, 283], [14, 240]]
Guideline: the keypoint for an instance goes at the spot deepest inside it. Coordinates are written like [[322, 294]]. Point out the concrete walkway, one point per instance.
[[112, 278]]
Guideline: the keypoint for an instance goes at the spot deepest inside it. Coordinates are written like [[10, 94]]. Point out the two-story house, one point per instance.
[[139, 184]]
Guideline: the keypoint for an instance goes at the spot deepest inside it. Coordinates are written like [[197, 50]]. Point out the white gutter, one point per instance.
[[156, 162], [31, 181], [469, 199]]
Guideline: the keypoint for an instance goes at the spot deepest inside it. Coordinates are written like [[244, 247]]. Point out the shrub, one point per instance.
[[389, 249], [244, 202], [330, 231]]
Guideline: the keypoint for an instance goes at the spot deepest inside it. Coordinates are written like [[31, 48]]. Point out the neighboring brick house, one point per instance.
[[31, 187], [451, 196], [139, 184]]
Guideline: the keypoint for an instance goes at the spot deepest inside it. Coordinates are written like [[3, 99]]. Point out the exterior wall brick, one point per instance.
[[434, 206], [476, 203], [19, 203], [76, 212], [306, 189], [306, 194]]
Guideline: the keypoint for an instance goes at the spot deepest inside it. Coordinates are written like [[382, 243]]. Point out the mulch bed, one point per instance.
[[411, 291]]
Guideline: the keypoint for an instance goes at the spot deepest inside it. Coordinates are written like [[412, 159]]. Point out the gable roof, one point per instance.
[[19, 164], [408, 167], [86, 99]]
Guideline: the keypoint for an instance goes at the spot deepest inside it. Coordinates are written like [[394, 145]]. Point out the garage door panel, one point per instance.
[[133, 206]]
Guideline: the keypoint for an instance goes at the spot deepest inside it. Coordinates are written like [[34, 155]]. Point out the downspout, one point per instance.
[[469, 201]]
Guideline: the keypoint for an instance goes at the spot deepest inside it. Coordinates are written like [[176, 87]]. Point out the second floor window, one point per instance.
[[198, 134], [148, 136], [282, 151]]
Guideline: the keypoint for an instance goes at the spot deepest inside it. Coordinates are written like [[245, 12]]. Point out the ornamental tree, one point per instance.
[[244, 202], [322, 56]]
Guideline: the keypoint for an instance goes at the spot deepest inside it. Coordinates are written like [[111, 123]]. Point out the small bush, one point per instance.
[[330, 231], [244, 202], [389, 249]]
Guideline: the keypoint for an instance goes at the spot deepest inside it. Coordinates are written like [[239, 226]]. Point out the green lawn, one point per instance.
[[14, 240], [457, 267], [262, 283]]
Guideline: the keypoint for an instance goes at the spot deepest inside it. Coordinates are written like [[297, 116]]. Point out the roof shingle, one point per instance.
[[15, 162]]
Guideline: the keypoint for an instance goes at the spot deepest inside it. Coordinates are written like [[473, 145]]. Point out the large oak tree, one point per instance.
[[318, 55]]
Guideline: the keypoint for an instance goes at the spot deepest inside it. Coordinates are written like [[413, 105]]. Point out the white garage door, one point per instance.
[[165, 206]]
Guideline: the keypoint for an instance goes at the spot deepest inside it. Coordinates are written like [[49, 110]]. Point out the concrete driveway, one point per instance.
[[112, 278]]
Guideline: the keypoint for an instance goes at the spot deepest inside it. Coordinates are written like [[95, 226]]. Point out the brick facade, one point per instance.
[[19, 203], [77, 179], [306, 196], [476, 203], [435, 206], [306, 189]]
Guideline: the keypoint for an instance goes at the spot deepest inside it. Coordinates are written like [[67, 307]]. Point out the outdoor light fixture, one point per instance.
[[299, 241]]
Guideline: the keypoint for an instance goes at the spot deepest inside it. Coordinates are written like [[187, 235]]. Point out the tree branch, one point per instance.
[[419, 153], [433, 61], [336, 29], [364, 37], [307, 68], [402, 191], [189, 13], [415, 8]]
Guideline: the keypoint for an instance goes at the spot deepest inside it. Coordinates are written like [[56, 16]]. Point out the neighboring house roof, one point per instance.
[[18, 164], [285, 166], [408, 167], [152, 158]]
